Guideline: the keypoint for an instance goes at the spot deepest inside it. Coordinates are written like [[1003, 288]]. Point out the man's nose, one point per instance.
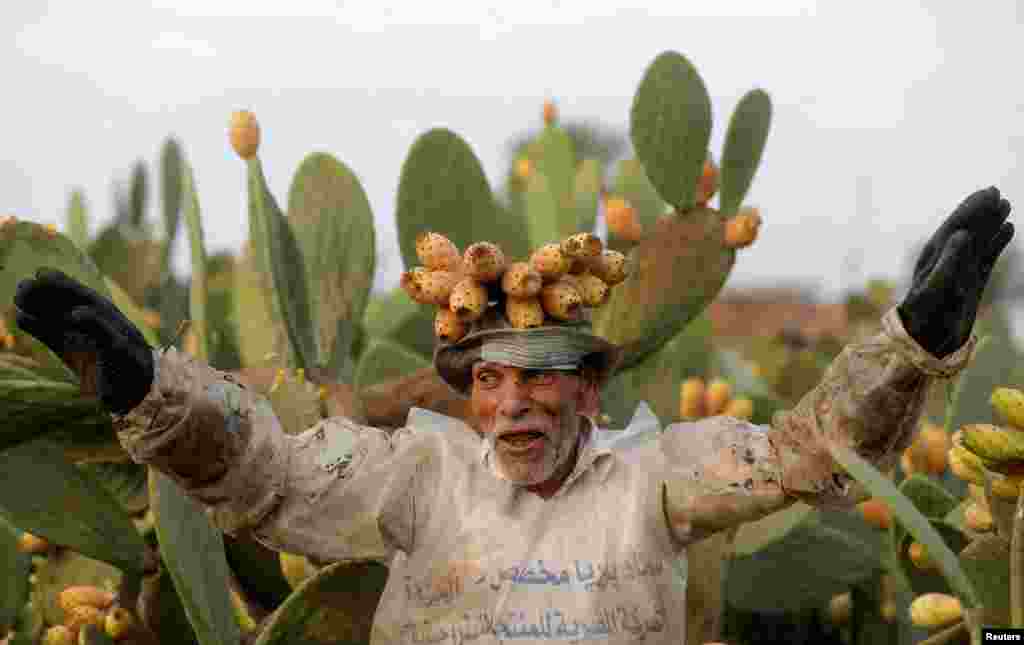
[[515, 400]]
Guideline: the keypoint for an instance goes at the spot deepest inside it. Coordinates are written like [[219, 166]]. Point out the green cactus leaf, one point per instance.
[[676, 270], [161, 609], [542, 210], [670, 125], [193, 552], [926, 581], [632, 184], [556, 164], [260, 330], [278, 254], [64, 568], [67, 506], [396, 316], [258, 570], [78, 221], [198, 287], [443, 189], [126, 482], [928, 496], [587, 186], [14, 570], [333, 223], [170, 188], [335, 606], [28, 628], [131, 310], [827, 552], [985, 562], [384, 360], [744, 145], [139, 193], [129, 259]]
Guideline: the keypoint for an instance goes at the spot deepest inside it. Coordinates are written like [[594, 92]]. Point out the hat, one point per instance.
[[532, 314]]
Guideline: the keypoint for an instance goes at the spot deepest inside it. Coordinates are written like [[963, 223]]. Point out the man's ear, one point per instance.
[[589, 396]]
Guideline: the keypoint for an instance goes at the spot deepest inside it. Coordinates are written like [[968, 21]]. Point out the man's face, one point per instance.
[[531, 418]]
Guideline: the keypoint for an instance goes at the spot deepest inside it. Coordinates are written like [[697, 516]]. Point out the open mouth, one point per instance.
[[522, 439]]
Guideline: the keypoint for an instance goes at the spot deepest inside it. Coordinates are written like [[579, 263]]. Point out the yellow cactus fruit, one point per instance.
[[84, 596], [740, 408], [447, 326], [593, 290], [1009, 403], [919, 556], [483, 261], [741, 229], [582, 245], [993, 443], [977, 517], [28, 543], [323, 393], [964, 465], [429, 287], [80, 615], [244, 133], [468, 300], [622, 220], [58, 635], [550, 112], [1006, 487], [117, 622], [876, 513], [550, 262], [691, 398], [295, 568], [561, 300], [935, 610], [521, 281], [9, 341], [279, 379], [578, 266], [437, 253], [524, 168], [410, 281], [50, 231], [716, 397], [707, 185], [610, 266], [524, 313], [151, 318], [932, 445]]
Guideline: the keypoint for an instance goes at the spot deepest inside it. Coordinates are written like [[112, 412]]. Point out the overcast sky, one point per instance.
[[886, 113]]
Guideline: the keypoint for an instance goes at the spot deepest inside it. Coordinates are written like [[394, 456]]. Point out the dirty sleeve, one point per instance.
[[721, 472], [337, 490]]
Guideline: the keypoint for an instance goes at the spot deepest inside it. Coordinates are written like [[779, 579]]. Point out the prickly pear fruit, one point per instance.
[[561, 300], [582, 245], [80, 615], [741, 229], [919, 556], [521, 281], [691, 398], [610, 266], [740, 408], [524, 168], [550, 262], [977, 517], [437, 286], [550, 112], [622, 220], [58, 635], [524, 313], [117, 622], [966, 465], [716, 397], [28, 543], [410, 282], [930, 448], [593, 290], [468, 300], [707, 185], [840, 607], [993, 443], [935, 610], [876, 513], [244, 133], [577, 266], [484, 261], [437, 253], [447, 326], [1009, 403], [84, 595]]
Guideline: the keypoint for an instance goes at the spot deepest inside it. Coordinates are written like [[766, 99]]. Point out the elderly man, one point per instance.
[[524, 526]]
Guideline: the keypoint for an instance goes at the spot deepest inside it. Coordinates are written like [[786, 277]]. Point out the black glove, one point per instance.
[[952, 271], [90, 335]]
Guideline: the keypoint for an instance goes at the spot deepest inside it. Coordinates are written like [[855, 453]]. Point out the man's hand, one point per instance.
[[952, 271], [109, 353]]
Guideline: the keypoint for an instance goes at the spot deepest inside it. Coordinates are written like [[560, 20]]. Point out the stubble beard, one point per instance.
[[557, 451]]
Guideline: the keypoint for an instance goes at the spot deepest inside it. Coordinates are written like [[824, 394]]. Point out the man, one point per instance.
[[524, 526]]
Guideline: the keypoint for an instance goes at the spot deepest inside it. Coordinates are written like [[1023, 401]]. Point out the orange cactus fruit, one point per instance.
[[977, 517], [741, 229], [907, 461], [118, 622], [28, 543], [468, 299], [932, 446], [707, 185], [521, 280], [550, 112], [919, 556], [9, 341], [935, 610], [691, 398], [594, 290], [447, 326], [437, 253], [524, 168], [432, 287], [716, 397], [740, 408], [876, 513], [84, 596], [611, 266], [244, 132], [524, 313], [80, 615], [622, 220], [582, 245], [550, 262], [411, 282], [483, 261], [58, 635], [50, 231], [561, 300]]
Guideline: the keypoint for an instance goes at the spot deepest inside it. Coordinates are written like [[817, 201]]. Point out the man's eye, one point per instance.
[[487, 377]]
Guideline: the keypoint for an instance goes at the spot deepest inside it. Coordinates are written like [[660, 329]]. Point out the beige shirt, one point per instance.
[[480, 560]]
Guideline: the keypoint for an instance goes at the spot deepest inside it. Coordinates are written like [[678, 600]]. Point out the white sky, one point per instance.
[[886, 113]]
